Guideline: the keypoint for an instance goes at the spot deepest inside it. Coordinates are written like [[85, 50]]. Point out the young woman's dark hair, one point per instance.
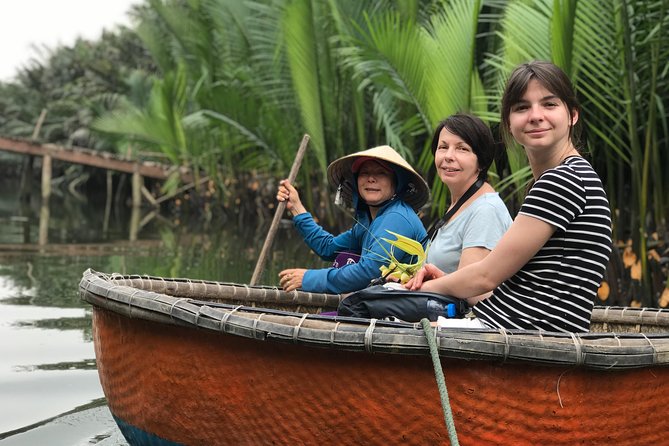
[[550, 77], [475, 133]]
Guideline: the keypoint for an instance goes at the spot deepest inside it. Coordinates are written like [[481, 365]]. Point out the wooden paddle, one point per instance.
[[281, 207]]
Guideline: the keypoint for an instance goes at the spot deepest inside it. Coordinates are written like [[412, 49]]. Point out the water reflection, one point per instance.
[[47, 364], [47, 361]]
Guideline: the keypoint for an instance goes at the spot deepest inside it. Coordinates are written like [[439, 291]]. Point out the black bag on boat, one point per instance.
[[380, 302]]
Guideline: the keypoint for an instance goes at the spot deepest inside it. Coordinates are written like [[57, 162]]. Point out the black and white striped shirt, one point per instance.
[[555, 290]]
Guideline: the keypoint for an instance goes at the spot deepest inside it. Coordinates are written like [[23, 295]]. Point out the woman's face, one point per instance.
[[375, 183], [456, 162], [540, 120]]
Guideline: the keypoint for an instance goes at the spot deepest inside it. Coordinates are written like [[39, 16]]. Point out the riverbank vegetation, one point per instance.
[[228, 88]]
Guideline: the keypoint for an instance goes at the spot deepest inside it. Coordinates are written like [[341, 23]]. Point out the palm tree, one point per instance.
[[417, 70], [231, 87]]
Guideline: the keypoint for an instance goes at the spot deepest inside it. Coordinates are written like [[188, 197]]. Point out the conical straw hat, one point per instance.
[[339, 173]]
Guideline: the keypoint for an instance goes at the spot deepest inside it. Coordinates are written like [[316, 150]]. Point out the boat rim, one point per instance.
[[168, 301]]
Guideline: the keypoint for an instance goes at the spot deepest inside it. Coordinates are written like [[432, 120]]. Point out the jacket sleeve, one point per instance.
[[374, 254], [324, 244]]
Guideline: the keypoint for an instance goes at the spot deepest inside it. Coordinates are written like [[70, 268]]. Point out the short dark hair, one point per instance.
[[475, 133], [551, 77]]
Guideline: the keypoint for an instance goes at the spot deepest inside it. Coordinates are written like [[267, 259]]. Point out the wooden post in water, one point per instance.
[[135, 216], [280, 208], [46, 193], [25, 189], [137, 183], [46, 178]]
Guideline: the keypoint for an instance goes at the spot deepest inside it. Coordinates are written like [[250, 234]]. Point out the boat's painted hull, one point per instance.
[[199, 387], [137, 436]]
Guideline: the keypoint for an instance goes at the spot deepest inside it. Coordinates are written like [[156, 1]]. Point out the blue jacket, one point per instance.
[[363, 238]]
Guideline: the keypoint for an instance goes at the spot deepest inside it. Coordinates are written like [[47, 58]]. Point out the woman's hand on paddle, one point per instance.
[[289, 194], [291, 279], [426, 273]]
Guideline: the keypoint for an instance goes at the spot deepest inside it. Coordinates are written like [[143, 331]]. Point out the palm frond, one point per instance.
[[451, 36], [302, 55]]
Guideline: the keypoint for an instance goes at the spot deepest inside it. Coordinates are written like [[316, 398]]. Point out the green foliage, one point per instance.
[[229, 87], [74, 85]]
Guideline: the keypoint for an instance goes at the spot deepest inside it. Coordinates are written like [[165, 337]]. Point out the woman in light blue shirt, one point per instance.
[[464, 149]]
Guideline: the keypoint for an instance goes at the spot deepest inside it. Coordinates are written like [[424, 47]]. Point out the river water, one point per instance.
[[49, 388]]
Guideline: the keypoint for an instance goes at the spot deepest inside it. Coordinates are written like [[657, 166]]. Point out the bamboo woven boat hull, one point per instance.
[[177, 369]]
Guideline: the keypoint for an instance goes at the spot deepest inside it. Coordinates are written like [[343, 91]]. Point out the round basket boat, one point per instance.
[[200, 362]]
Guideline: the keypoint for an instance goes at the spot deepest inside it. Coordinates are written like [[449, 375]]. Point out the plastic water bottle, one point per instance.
[[436, 309]]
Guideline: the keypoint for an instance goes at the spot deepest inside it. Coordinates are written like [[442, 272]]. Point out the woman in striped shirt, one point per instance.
[[544, 272]]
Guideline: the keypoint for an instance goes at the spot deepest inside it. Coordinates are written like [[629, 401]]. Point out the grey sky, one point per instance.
[[50, 23]]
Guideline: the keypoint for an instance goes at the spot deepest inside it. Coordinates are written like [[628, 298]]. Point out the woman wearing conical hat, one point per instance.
[[385, 192]]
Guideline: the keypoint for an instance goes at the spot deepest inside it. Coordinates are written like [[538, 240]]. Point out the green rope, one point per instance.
[[441, 381]]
